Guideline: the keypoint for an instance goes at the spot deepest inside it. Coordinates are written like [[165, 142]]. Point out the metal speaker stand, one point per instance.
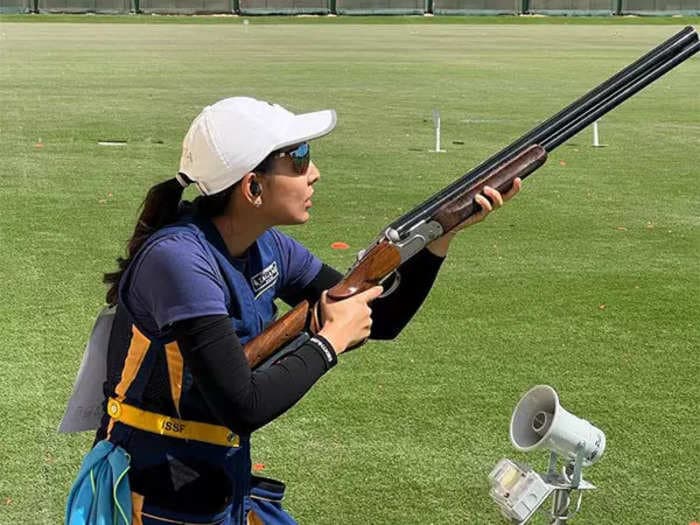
[[564, 483]]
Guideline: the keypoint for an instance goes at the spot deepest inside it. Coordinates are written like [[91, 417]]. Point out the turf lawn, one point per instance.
[[588, 281]]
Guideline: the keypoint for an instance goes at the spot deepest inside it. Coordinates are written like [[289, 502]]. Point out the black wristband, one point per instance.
[[325, 348]]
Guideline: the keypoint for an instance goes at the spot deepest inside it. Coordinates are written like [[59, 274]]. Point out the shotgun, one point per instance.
[[451, 206]]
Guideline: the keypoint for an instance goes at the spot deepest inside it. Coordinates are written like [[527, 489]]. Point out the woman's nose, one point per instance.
[[313, 174]]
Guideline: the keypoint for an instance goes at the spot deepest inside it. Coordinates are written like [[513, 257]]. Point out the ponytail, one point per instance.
[[159, 209], [163, 206]]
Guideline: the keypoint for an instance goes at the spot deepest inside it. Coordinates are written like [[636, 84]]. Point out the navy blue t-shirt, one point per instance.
[[177, 279]]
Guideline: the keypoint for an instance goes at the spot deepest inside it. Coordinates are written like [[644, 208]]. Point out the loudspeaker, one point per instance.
[[539, 421]]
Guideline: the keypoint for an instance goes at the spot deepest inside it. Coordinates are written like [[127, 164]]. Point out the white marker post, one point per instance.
[[596, 136], [436, 123]]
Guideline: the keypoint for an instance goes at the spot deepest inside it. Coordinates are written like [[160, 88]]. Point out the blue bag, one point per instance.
[[100, 494]]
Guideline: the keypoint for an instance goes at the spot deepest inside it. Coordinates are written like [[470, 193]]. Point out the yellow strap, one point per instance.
[[170, 426]]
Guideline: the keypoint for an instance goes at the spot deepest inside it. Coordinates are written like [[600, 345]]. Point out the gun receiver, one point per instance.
[[450, 207]]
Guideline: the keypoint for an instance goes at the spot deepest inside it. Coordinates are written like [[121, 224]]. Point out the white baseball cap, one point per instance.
[[231, 137]]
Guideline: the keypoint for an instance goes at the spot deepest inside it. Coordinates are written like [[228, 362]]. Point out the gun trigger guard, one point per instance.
[[394, 285]]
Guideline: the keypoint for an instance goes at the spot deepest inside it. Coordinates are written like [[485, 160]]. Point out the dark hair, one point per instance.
[[160, 207], [163, 205]]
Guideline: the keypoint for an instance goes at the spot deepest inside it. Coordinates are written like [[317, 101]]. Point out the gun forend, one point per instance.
[[463, 206]]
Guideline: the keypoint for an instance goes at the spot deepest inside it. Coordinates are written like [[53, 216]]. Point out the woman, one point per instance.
[[199, 281]]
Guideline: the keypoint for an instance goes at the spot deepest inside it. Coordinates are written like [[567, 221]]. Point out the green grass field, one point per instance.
[[588, 281]]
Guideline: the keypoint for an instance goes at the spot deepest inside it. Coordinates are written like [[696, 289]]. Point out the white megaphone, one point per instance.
[[540, 421]]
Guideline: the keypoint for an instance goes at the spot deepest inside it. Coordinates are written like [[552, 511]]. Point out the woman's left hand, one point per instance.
[[495, 200]]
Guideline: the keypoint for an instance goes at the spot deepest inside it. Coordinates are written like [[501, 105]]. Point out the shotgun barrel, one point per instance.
[[619, 97], [681, 43], [454, 211]]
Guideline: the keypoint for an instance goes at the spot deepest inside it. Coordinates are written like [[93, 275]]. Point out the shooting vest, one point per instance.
[[154, 409]]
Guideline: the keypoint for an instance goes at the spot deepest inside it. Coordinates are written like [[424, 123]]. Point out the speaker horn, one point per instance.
[[539, 421]]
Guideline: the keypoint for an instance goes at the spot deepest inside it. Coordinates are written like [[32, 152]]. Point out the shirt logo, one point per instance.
[[264, 280]]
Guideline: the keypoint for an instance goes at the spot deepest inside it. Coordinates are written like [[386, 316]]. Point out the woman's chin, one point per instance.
[[302, 218]]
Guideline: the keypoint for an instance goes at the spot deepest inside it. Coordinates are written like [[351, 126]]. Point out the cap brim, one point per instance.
[[308, 126]]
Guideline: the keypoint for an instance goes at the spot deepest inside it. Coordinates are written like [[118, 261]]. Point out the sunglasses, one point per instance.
[[301, 157]]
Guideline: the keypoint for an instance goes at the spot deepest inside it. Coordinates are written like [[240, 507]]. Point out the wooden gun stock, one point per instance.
[[374, 266], [277, 334]]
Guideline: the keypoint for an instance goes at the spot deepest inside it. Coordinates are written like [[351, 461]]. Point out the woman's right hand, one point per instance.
[[347, 322]]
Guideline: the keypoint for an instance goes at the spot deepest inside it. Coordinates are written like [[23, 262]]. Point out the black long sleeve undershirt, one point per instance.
[[244, 399]]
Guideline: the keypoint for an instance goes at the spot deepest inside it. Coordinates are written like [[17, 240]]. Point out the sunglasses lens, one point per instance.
[[301, 157]]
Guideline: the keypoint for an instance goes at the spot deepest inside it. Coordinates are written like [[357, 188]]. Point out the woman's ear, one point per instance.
[[252, 189]]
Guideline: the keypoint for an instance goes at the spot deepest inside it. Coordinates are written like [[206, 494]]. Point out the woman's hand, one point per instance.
[[347, 322], [495, 200]]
